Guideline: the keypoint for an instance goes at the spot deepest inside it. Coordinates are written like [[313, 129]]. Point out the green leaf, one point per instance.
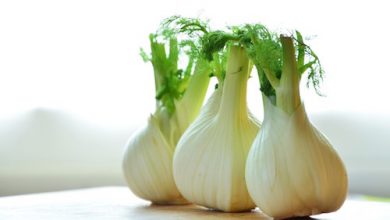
[[144, 55]]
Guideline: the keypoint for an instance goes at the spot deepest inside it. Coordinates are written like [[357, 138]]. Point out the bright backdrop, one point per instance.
[[73, 86]]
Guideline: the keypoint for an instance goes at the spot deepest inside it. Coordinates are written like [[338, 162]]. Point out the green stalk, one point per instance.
[[235, 85], [287, 93], [188, 107], [193, 98]]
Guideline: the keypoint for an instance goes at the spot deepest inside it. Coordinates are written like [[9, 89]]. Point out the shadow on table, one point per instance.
[[197, 212], [191, 212], [304, 218]]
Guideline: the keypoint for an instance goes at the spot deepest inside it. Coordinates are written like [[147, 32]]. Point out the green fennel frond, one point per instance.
[[265, 50], [212, 44], [166, 52], [312, 66], [190, 26]]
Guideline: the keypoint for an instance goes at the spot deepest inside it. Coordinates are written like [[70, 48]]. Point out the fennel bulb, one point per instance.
[[147, 163], [209, 160], [292, 169]]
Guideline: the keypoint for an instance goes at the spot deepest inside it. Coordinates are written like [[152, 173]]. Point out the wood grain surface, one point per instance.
[[119, 203]]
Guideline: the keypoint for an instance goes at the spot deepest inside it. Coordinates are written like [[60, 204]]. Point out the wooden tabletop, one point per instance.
[[119, 203]]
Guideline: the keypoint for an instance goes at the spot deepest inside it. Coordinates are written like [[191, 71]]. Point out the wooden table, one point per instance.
[[119, 203]]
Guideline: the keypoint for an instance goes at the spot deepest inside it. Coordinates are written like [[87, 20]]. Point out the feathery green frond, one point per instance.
[[215, 41], [189, 26], [167, 51], [211, 44], [265, 50], [313, 65]]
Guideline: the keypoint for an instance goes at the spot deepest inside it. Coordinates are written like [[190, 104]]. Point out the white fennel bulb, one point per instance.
[[292, 169], [147, 163], [209, 161]]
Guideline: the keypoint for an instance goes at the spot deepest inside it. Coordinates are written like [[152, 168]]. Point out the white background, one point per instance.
[[73, 86]]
